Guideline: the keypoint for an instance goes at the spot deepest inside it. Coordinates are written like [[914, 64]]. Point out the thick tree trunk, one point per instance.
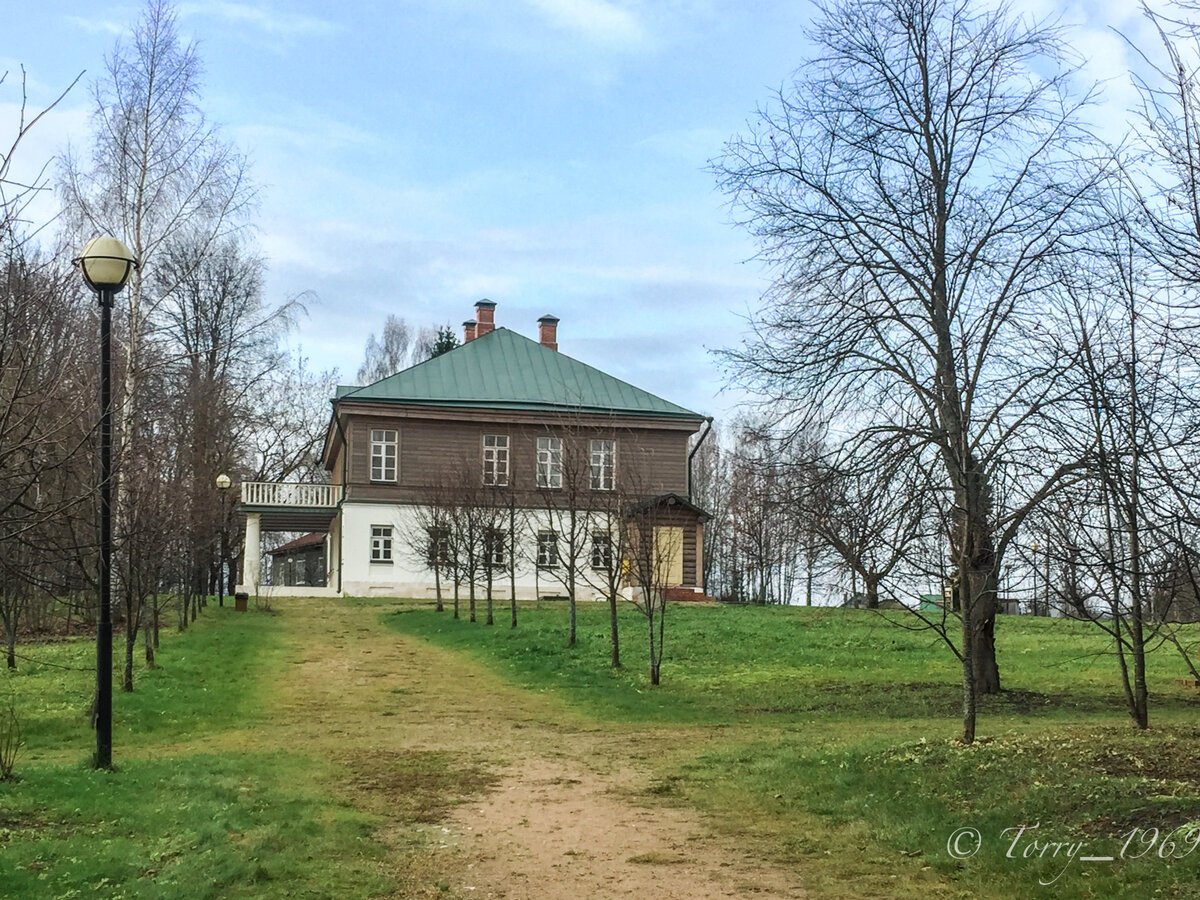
[[983, 653], [978, 578], [979, 599], [1141, 707], [871, 587]]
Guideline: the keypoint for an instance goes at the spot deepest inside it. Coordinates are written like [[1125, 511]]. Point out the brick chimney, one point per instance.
[[469, 331], [485, 313], [548, 332]]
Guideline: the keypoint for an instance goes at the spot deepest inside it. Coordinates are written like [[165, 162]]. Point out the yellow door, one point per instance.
[[668, 554]]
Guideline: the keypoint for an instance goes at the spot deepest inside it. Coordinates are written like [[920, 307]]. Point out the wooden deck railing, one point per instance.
[[273, 493]]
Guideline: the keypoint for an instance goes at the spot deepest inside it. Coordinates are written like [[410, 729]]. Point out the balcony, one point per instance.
[[291, 507]]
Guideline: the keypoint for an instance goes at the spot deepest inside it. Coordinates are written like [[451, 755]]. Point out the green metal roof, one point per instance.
[[504, 370]]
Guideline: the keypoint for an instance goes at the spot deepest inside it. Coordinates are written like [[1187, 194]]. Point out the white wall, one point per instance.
[[407, 575]]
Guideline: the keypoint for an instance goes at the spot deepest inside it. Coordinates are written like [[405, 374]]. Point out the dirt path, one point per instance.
[[520, 798]]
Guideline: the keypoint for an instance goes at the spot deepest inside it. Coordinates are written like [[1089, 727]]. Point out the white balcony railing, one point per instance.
[[271, 493]]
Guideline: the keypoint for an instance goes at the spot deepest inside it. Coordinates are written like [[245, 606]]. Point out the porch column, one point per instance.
[[334, 552], [252, 558]]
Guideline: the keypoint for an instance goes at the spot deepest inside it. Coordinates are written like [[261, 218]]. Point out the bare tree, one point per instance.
[[910, 191], [654, 557], [429, 532], [565, 485], [872, 510], [607, 565], [398, 347], [161, 178], [283, 426], [157, 170], [1131, 416], [45, 473], [1168, 182]]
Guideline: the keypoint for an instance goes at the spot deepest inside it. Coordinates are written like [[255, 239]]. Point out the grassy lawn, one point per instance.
[[823, 739], [194, 809], [827, 735]]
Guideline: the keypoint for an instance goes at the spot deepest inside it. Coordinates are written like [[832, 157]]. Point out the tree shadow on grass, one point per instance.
[[905, 700]]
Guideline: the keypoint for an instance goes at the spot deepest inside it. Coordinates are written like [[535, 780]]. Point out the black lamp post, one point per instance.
[[223, 484], [106, 264]]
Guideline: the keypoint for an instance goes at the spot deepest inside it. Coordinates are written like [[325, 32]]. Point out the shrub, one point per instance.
[[10, 739]]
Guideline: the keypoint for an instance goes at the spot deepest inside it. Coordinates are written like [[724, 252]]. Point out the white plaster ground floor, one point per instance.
[[381, 550], [372, 567]]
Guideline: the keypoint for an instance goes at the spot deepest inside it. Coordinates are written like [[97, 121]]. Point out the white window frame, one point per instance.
[[549, 462], [381, 543], [547, 550], [385, 455], [495, 460], [602, 550], [604, 464]]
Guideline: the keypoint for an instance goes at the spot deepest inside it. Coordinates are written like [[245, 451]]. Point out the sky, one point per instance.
[[416, 156]]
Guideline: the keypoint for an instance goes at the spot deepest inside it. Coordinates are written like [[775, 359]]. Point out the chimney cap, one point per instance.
[[485, 304], [549, 320], [468, 323]]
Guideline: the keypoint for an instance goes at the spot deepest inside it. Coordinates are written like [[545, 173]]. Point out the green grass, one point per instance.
[[205, 682], [828, 735], [172, 821], [784, 665], [821, 738], [190, 825]]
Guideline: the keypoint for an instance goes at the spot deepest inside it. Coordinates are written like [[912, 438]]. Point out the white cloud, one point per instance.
[[97, 26], [601, 21], [269, 21]]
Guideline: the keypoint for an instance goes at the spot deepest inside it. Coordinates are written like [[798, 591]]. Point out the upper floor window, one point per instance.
[[381, 544], [603, 460], [547, 549], [495, 459], [383, 454], [549, 462]]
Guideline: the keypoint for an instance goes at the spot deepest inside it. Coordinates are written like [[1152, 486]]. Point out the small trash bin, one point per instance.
[[240, 601]]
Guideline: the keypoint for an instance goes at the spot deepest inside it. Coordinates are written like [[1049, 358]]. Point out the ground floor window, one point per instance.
[[547, 549], [439, 547], [381, 544], [602, 552], [493, 548]]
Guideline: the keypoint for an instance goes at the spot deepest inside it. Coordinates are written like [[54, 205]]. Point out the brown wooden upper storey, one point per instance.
[[398, 454]]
